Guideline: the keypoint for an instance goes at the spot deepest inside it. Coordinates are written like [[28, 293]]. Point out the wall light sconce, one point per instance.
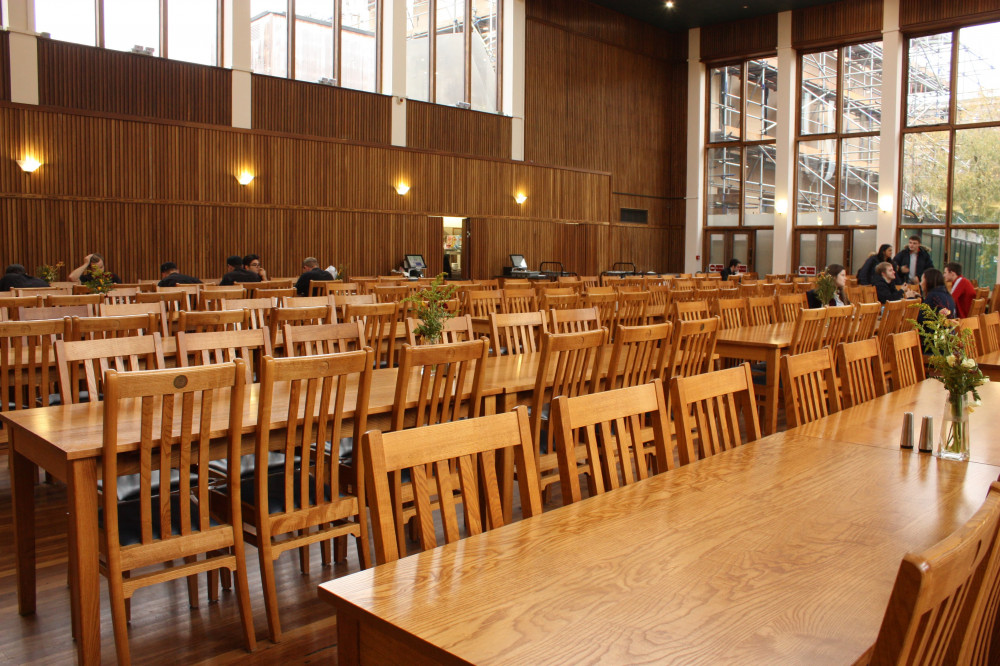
[[885, 203], [520, 198], [29, 164], [781, 206], [245, 178], [402, 189]]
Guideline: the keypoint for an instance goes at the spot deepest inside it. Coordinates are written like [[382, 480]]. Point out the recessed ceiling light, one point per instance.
[[670, 4]]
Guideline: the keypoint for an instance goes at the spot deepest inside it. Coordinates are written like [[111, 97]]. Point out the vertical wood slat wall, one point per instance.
[[918, 14], [4, 66], [838, 23], [455, 130]]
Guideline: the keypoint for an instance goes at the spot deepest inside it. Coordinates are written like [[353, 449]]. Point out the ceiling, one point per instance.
[[697, 13]]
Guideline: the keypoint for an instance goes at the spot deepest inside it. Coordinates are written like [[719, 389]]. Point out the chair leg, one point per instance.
[[243, 597], [339, 548], [119, 619], [270, 594], [213, 584], [192, 583], [303, 555], [227, 579], [324, 551]]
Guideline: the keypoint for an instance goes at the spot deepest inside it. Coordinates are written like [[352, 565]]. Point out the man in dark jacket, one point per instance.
[[912, 260], [16, 278], [885, 284], [310, 272], [237, 273], [171, 277]]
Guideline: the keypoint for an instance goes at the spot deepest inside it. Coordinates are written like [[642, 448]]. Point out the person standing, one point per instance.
[[866, 274], [731, 269], [171, 277], [912, 260], [83, 273], [237, 273], [962, 291], [311, 272]]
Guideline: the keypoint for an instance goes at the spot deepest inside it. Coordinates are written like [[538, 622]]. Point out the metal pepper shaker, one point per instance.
[[906, 436]]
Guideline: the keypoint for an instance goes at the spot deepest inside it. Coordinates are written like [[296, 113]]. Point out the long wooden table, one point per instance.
[[760, 343], [780, 551], [990, 364]]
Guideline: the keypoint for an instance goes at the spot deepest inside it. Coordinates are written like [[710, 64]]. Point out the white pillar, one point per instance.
[[236, 56], [512, 103], [20, 16], [784, 171], [394, 66], [694, 191], [892, 106]]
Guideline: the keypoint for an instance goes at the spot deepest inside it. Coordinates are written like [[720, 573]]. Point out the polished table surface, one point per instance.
[[990, 364], [760, 343], [780, 551]]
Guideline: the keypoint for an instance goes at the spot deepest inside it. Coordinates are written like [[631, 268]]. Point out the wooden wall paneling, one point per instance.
[[454, 130], [751, 36], [4, 66], [661, 211], [838, 22], [115, 82], [650, 249], [917, 14], [298, 107]]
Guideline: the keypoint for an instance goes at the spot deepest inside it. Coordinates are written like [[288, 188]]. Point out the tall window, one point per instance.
[[740, 161], [335, 41], [453, 52], [951, 147], [191, 32]]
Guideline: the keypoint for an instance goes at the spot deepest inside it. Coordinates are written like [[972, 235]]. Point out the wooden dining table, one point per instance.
[[760, 343], [990, 365], [783, 550]]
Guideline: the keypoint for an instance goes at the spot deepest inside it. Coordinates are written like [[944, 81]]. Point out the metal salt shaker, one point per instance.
[[906, 437]]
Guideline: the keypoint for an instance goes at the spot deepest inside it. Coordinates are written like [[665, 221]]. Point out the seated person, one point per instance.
[[171, 277], [251, 262], [310, 271], [839, 274], [962, 291], [731, 269], [83, 273], [936, 296], [885, 284], [237, 273], [16, 278]]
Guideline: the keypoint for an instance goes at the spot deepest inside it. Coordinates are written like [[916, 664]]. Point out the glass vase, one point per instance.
[[954, 442]]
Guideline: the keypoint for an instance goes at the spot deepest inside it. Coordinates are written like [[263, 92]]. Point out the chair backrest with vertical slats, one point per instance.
[[96, 328], [551, 301], [975, 340], [788, 306], [201, 321], [517, 333], [865, 320], [839, 321], [861, 372], [690, 310], [444, 382], [469, 447], [157, 309], [391, 294], [341, 301], [609, 426], [210, 298], [976, 307], [481, 303], [211, 347], [90, 301], [632, 308], [607, 307], [810, 386], [989, 326], [379, 321], [760, 310], [89, 360], [189, 293], [906, 359], [574, 321], [708, 409], [640, 355], [10, 305], [315, 339], [519, 300], [810, 326], [732, 313], [454, 329], [316, 314], [259, 309], [891, 323], [693, 346], [27, 355]]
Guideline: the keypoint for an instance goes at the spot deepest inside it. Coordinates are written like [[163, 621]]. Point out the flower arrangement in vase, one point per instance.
[[48, 272], [429, 307], [99, 281], [826, 287]]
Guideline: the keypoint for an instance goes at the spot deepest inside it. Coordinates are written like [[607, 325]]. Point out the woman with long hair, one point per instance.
[[839, 274], [866, 274]]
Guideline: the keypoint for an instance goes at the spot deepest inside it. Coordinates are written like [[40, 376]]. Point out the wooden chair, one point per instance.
[[707, 411], [90, 301], [810, 386], [54, 312], [279, 317], [861, 372], [974, 346], [839, 321], [341, 301], [693, 347], [760, 310], [164, 527], [124, 309], [732, 313], [516, 333], [906, 360], [455, 329], [977, 307], [632, 309], [469, 447], [211, 298], [258, 309], [788, 306], [574, 321], [865, 320], [316, 339], [482, 303], [989, 326], [391, 294], [39, 291], [98, 328], [550, 301], [214, 347], [27, 355], [121, 295], [861, 294], [810, 326], [994, 301], [518, 300], [89, 360], [310, 301], [609, 425], [204, 321], [893, 313], [570, 365], [325, 288], [927, 619], [606, 305], [302, 501], [189, 294], [276, 295], [640, 355], [10, 305], [690, 310], [379, 322]]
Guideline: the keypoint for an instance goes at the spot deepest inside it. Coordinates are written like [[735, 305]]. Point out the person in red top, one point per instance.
[[962, 290]]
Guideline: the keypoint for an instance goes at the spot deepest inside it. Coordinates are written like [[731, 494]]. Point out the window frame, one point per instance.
[[161, 51], [291, 20]]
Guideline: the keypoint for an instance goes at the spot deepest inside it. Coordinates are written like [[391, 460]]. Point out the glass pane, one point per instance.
[[930, 239], [741, 247], [67, 20], [862, 247], [418, 50], [925, 178], [976, 194], [819, 93], [862, 87], [450, 68], [835, 249], [928, 80], [717, 250], [976, 250], [978, 75], [485, 50], [859, 180], [817, 170], [762, 99], [758, 188], [359, 44], [725, 90], [763, 259], [269, 37], [314, 40], [723, 187], [131, 23], [807, 254], [192, 31]]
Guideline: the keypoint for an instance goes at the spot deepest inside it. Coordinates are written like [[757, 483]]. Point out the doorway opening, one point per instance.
[[453, 238]]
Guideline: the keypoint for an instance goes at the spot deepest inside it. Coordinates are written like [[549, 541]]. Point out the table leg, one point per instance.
[[505, 403], [770, 424], [23, 474], [348, 638], [85, 594]]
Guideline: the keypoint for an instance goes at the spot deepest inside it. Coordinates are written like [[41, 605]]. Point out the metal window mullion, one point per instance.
[[220, 34], [467, 24], [290, 39], [499, 56], [432, 51], [338, 42], [163, 28], [99, 23]]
